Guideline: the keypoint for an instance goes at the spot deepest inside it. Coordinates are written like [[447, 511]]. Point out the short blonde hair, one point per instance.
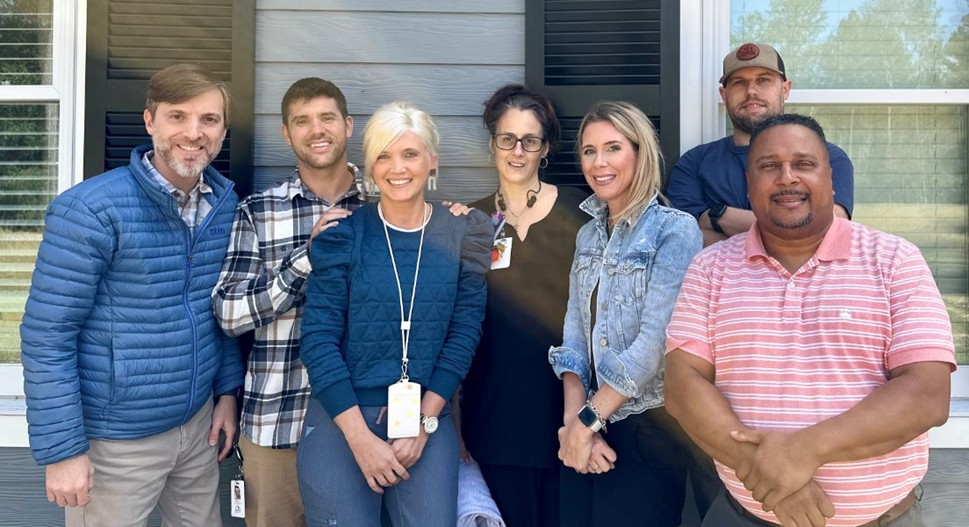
[[389, 122], [631, 122]]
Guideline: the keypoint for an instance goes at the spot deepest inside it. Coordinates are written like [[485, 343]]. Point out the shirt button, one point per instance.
[[602, 342], [790, 285], [611, 271]]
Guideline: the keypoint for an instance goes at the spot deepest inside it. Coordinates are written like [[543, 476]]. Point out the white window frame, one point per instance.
[[67, 90], [704, 40]]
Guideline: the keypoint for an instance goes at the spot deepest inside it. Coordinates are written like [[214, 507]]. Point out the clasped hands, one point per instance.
[[584, 450], [385, 463], [779, 472]]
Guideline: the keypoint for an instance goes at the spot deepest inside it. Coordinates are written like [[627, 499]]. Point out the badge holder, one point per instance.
[[403, 407], [237, 495], [404, 396], [501, 250]]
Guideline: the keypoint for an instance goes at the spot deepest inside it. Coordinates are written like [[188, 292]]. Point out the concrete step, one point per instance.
[[8, 256], [16, 271], [15, 240]]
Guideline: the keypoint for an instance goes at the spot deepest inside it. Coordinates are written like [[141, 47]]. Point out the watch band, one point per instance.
[[590, 417], [715, 213]]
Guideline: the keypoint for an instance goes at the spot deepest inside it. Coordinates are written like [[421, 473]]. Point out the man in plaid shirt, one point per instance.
[[262, 287]]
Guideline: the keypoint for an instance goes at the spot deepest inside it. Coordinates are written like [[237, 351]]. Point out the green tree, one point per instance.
[[955, 55], [794, 27]]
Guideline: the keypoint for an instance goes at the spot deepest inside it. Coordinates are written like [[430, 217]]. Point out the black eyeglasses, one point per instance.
[[529, 143]]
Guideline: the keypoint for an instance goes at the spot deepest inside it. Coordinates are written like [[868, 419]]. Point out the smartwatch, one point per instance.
[[430, 423], [715, 213], [590, 417]]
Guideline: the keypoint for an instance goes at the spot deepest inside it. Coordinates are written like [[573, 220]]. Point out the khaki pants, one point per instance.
[[177, 470], [272, 490]]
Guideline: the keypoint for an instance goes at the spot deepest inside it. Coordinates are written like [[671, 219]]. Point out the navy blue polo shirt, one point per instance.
[[716, 173]]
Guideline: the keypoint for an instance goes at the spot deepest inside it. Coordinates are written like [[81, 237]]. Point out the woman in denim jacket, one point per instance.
[[629, 263]]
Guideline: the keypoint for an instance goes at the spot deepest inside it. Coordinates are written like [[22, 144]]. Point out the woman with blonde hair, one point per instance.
[[392, 317], [626, 454]]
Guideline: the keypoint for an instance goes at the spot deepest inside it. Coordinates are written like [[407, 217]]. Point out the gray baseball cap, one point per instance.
[[753, 54]]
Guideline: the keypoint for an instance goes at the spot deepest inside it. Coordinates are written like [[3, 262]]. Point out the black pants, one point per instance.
[[526, 496], [646, 488]]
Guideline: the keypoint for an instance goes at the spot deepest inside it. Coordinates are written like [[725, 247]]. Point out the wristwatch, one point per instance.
[[590, 417], [715, 213], [430, 423]]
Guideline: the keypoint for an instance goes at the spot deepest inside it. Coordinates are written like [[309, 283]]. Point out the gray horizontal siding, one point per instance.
[[446, 57], [378, 37], [440, 6], [23, 498], [437, 89]]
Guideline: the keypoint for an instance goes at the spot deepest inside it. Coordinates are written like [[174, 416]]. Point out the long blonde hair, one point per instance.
[[631, 122]]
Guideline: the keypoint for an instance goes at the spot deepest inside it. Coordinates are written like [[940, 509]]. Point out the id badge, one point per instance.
[[238, 498], [403, 409], [501, 254]]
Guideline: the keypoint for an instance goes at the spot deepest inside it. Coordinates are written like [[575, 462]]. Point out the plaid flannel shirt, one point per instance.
[[262, 286], [191, 206]]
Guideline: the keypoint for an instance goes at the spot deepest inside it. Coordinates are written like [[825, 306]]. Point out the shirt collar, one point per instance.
[[836, 244], [167, 185], [599, 210], [297, 188]]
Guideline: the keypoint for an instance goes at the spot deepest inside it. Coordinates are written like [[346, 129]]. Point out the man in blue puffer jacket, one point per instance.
[[121, 353]]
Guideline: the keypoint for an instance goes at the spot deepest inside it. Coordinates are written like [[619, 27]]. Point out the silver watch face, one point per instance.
[[430, 424]]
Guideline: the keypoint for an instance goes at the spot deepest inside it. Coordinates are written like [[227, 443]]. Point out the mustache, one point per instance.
[[791, 192]]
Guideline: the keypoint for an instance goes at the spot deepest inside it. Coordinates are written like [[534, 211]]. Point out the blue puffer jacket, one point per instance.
[[118, 336]]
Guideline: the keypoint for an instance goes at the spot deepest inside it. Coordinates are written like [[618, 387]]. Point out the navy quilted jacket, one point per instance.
[[351, 338], [118, 336]]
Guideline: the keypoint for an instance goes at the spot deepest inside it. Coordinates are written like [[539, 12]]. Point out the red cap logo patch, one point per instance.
[[748, 52]]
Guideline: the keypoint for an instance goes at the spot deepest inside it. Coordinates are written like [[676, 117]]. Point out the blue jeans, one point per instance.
[[335, 492]]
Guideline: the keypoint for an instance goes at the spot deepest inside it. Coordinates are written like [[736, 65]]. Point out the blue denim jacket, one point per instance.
[[639, 270]]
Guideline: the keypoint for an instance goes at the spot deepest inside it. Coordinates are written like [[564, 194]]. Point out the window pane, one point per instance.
[[25, 42], [861, 43], [911, 179], [28, 181]]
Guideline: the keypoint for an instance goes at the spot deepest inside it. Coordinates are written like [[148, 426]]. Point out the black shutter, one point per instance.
[[130, 40], [584, 51]]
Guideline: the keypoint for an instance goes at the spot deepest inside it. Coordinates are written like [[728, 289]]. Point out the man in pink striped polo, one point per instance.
[[810, 356]]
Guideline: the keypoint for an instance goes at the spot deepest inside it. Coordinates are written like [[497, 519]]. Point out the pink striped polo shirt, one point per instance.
[[792, 350]]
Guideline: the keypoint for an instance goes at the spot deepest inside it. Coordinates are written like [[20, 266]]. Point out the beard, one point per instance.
[[803, 222], [187, 169], [314, 161], [795, 224], [746, 123]]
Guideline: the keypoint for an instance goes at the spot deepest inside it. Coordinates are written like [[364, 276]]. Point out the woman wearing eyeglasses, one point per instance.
[[512, 402]]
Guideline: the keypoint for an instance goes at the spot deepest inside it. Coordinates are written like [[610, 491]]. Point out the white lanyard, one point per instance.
[[405, 323]]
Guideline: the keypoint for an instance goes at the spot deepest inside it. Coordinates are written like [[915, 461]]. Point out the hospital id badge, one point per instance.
[[501, 254], [238, 498], [403, 409]]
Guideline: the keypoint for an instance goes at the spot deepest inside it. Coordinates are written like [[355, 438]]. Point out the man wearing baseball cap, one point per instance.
[[709, 181]]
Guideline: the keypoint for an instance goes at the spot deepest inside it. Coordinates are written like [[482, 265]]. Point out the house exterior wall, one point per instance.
[[444, 56]]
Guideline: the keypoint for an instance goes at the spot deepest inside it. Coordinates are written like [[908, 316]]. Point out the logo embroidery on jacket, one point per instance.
[[217, 231]]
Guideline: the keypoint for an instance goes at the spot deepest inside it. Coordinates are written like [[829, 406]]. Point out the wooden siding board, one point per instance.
[[436, 38], [464, 141], [456, 183], [436, 89], [439, 6]]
